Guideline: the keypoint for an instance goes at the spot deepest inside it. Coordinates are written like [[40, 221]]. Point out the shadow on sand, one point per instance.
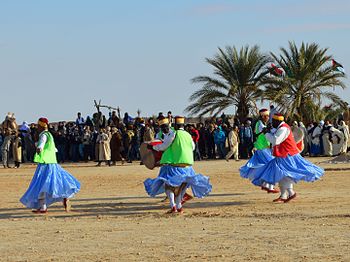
[[135, 205]]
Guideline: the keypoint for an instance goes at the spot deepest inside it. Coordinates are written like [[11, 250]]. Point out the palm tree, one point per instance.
[[308, 78], [317, 112], [237, 80], [332, 112]]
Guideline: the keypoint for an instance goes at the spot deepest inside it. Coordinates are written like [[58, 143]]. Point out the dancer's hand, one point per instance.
[[267, 129]]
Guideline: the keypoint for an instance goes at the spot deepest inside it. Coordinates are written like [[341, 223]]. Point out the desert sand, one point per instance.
[[113, 219]]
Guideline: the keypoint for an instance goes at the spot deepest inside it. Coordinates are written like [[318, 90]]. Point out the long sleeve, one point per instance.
[[168, 139], [158, 136], [42, 141], [260, 127], [316, 132], [281, 134]]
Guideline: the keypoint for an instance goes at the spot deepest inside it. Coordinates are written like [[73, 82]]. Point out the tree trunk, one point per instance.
[[242, 112]]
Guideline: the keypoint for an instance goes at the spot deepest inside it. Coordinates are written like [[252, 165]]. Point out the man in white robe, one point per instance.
[[345, 130]]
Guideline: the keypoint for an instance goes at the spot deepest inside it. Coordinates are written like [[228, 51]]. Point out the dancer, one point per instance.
[[176, 173], [262, 153], [288, 167], [51, 183]]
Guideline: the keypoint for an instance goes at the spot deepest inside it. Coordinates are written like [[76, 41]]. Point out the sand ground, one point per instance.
[[114, 220]]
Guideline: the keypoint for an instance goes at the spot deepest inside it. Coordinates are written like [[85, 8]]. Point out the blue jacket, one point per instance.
[[219, 136]]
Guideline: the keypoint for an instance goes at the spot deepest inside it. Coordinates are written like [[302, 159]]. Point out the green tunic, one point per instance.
[[180, 152], [261, 141], [48, 154]]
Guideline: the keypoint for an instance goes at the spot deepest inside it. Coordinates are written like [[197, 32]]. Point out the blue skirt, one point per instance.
[[295, 167], [52, 180], [259, 159], [175, 176]]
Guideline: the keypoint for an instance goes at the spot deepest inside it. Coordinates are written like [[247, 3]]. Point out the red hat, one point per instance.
[[43, 122]]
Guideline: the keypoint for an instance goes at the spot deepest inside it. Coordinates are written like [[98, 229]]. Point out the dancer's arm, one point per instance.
[[168, 139], [281, 134], [41, 143]]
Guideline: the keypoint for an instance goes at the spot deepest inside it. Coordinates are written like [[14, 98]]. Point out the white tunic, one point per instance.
[[42, 141], [167, 140], [278, 135]]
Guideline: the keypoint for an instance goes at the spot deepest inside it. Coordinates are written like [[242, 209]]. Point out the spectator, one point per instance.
[[75, 141], [87, 141], [104, 151], [246, 139], [127, 142], [80, 122], [316, 142], [127, 119], [202, 139], [116, 143], [113, 120], [210, 141], [60, 142], [219, 140], [345, 130], [170, 118], [134, 148], [233, 141], [89, 122], [149, 133], [28, 147], [9, 129], [160, 115], [17, 150], [195, 137]]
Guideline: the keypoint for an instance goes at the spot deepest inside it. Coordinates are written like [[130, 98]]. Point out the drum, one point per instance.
[[298, 134], [150, 158], [299, 138]]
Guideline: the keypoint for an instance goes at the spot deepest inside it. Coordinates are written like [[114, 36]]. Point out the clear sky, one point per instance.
[[56, 57]]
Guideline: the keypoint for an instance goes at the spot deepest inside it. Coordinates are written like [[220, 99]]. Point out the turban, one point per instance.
[[264, 112], [278, 117]]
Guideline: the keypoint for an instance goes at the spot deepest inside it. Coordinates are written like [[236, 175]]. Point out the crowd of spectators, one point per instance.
[[111, 139]]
